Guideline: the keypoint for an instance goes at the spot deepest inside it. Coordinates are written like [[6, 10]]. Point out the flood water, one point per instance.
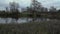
[[24, 20]]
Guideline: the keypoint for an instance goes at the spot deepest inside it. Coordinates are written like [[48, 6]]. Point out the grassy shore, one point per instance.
[[46, 27]]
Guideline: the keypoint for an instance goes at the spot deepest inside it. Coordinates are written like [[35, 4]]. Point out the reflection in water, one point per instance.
[[22, 20]]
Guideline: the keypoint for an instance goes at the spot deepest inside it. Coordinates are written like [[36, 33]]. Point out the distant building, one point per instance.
[[52, 9]]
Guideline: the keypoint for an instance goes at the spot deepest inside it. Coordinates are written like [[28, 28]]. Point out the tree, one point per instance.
[[59, 10], [36, 7], [6, 14], [14, 8]]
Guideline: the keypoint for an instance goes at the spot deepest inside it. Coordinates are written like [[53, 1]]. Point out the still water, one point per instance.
[[23, 20]]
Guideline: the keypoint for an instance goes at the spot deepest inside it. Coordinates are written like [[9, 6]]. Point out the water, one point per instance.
[[24, 20], [9, 20]]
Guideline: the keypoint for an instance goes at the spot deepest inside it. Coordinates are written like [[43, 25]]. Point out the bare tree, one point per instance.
[[14, 8], [36, 6]]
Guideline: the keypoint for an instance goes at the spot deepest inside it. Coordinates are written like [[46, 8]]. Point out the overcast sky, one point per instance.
[[24, 3]]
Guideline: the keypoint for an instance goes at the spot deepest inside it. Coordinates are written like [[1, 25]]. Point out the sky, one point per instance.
[[25, 3]]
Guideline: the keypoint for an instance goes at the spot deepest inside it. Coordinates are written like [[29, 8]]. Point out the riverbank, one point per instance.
[[45, 27]]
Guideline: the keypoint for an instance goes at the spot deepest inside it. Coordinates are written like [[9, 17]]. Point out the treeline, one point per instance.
[[34, 10], [5, 14]]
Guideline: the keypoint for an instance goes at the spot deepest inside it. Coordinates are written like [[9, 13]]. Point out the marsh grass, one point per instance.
[[46, 27]]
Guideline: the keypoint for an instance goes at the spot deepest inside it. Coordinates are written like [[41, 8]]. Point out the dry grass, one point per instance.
[[46, 27]]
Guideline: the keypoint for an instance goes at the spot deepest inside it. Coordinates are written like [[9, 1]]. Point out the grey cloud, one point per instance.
[[45, 3]]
